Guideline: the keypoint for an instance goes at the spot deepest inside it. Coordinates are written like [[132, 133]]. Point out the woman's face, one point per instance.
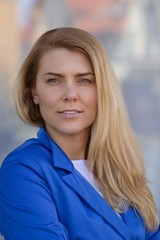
[[66, 93]]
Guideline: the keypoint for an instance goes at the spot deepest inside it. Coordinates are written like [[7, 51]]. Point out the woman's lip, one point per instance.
[[70, 113]]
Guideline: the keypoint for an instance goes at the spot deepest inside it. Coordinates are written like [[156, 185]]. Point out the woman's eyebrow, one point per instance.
[[53, 74], [77, 74], [84, 74]]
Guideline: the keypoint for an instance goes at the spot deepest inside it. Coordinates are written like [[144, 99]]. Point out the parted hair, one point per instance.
[[113, 154]]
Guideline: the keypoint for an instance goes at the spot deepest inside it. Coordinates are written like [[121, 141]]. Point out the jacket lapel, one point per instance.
[[97, 203], [89, 195]]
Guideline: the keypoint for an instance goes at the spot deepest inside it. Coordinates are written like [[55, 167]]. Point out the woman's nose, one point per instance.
[[70, 93]]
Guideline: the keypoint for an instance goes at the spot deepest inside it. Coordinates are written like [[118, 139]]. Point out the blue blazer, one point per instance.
[[43, 197]]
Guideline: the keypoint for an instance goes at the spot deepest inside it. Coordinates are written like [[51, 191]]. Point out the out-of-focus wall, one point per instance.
[[130, 32], [9, 40]]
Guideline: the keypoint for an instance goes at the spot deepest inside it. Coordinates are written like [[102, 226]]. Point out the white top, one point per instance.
[[81, 167]]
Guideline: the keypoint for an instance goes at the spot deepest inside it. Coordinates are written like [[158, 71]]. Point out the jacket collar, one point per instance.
[[60, 159]]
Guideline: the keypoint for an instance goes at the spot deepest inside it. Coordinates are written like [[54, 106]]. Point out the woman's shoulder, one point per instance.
[[31, 152]]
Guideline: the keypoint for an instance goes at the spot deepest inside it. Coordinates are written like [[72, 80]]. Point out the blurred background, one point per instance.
[[130, 33]]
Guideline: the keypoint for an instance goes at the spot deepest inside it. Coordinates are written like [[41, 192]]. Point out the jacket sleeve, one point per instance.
[[27, 208]]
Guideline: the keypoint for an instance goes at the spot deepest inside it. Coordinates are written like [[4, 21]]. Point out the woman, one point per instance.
[[83, 176]]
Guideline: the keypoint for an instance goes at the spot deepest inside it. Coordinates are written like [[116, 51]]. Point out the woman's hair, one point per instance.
[[113, 154]]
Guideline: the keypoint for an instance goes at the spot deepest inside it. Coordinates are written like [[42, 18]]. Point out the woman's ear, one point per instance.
[[35, 96]]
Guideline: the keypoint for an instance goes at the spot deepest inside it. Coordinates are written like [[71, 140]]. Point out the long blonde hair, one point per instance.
[[113, 154]]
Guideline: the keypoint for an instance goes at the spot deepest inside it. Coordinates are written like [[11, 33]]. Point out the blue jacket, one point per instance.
[[43, 197]]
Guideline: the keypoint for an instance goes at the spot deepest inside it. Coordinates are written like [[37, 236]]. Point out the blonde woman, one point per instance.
[[83, 176]]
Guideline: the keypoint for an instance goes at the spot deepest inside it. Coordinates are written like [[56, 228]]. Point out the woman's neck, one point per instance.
[[73, 145]]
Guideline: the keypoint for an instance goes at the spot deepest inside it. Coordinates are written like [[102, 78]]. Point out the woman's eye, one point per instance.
[[85, 81], [54, 81]]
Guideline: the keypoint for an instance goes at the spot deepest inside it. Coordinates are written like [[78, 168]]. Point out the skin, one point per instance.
[[67, 96]]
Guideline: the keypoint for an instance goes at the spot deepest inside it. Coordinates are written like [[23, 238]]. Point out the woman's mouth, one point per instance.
[[70, 113]]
